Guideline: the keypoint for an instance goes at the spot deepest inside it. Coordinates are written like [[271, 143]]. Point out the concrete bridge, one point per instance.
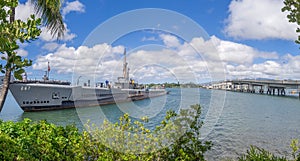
[[271, 87]]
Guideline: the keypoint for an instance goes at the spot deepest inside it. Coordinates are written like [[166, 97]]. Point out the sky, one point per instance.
[[166, 41]]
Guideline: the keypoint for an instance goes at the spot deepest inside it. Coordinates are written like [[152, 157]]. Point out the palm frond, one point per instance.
[[51, 16]]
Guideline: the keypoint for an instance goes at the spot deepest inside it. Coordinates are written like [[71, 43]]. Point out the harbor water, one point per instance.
[[233, 120]]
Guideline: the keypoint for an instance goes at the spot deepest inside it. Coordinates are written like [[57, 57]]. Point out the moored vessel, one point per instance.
[[41, 95]]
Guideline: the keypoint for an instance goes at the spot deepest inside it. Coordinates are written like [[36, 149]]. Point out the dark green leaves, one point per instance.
[[258, 154], [41, 140], [293, 9], [50, 13], [12, 33], [17, 73], [176, 138]]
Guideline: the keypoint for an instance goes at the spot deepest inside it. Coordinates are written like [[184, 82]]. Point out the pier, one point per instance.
[[270, 87]]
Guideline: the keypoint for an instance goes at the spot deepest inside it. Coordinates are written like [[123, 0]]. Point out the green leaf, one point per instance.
[[18, 73]]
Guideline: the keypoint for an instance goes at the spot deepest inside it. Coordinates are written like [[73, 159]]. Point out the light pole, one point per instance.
[[78, 80]]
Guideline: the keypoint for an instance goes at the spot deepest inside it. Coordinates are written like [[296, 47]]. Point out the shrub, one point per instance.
[[176, 138], [258, 154], [26, 140]]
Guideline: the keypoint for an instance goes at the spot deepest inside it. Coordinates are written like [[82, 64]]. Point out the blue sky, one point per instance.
[[240, 39]]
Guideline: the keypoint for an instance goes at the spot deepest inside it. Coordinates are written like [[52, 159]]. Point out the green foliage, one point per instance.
[[176, 138], [10, 146], [293, 9], [13, 32], [188, 145], [295, 149], [258, 154], [172, 85], [38, 141], [50, 13], [124, 140]]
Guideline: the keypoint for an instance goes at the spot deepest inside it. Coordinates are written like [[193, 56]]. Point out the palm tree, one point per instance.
[[52, 19], [51, 16]]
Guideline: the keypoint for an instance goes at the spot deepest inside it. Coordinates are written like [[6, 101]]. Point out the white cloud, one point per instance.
[[239, 60], [22, 52], [196, 60], [274, 69], [82, 60], [256, 19], [24, 10], [46, 35], [219, 54], [51, 46], [162, 65], [170, 40], [236, 53], [105, 62], [73, 6]]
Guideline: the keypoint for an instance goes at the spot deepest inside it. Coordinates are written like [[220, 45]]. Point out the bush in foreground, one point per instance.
[[26, 140], [176, 138], [258, 154]]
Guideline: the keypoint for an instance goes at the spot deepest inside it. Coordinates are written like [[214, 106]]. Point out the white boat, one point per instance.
[[41, 95]]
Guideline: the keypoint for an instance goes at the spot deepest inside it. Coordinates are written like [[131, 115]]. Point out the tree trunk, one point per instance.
[[5, 87], [6, 79]]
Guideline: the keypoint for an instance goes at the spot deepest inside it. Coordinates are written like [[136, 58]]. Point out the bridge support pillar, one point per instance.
[[261, 91], [282, 92], [269, 91]]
